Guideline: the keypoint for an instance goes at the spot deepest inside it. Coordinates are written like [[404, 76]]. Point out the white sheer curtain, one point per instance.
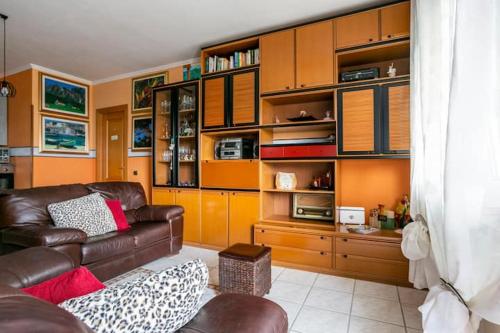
[[455, 108]]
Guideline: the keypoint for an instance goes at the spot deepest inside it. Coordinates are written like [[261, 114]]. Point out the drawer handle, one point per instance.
[[389, 36], [287, 87], [370, 40], [344, 239], [322, 253], [302, 85], [322, 237], [262, 230], [344, 255]]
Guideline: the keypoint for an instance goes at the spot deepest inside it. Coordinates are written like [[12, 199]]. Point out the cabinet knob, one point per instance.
[[389, 36], [344, 239], [302, 85], [234, 193], [370, 40], [221, 193], [322, 253], [262, 230], [322, 237], [344, 255], [287, 87]]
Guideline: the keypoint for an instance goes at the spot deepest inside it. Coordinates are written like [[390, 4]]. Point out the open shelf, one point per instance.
[[300, 123], [305, 190], [210, 140], [226, 50], [290, 221]]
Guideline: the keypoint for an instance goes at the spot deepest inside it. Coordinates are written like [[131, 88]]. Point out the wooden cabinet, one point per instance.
[[231, 99], [242, 174], [314, 53], [395, 21], [277, 52], [214, 218], [374, 119], [357, 29], [243, 214], [163, 197]]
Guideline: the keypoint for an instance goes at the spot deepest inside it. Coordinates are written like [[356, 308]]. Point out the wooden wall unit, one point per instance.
[[214, 102], [395, 21], [357, 29], [396, 118], [245, 98]]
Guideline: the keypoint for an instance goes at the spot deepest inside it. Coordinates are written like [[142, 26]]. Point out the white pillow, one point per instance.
[[89, 213], [160, 302]]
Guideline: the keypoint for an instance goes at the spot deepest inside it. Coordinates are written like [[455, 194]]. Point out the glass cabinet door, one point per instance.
[[187, 116], [164, 143]]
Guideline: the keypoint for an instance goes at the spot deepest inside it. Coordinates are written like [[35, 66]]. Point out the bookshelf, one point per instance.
[[232, 56]]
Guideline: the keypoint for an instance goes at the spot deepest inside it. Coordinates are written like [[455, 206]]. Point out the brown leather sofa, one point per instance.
[[155, 231], [21, 313]]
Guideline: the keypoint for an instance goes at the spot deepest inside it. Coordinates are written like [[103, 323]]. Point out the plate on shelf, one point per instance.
[[303, 118]]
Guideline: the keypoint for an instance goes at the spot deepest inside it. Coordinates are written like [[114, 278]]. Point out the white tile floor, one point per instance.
[[323, 303]]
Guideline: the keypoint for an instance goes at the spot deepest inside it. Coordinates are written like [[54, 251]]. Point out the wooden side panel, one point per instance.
[[277, 64], [357, 29], [239, 174], [214, 218], [314, 52], [163, 197], [358, 117], [244, 98], [395, 21], [213, 113], [399, 117], [243, 214], [389, 270], [293, 239], [365, 248], [190, 200]]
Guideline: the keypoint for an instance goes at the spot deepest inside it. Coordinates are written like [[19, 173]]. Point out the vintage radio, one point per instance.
[[313, 206], [360, 74], [234, 149]]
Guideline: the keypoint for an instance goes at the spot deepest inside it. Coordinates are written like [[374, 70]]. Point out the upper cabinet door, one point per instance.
[[277, 61], [359, 121], [395, 21], [214, 92], [245, 98], [314, 52], [396, 100], [357, 29]]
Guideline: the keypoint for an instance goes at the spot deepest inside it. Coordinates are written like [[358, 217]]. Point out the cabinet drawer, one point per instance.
[[295, 240], [305, 151], [301, 257], [371, 249], [385, 269]]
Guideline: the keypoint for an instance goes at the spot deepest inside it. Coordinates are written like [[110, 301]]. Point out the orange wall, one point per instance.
[[366, 183], [62, 170], [19, 110]]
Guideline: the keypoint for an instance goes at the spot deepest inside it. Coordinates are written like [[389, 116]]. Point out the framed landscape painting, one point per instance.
[[142, 91], [63, 96], [142, 133], [64, 135]]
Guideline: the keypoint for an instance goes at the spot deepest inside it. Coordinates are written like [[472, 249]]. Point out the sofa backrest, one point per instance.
[[30, 205], [130, 194]]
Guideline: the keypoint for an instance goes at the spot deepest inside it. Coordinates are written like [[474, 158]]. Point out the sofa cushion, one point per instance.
[[160, 302], [105, 246], [116, 209], [130, 194], [147, 233], [88, 213]]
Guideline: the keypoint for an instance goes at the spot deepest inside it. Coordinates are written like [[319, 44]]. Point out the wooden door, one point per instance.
[[277, 61], [243, 214], [190, 200], [395, 21], [359, 121], [357, 29], [396, 122], [314, 52], [112, 143], [214, 96], [214, 218], [163, 197], [245, 98]]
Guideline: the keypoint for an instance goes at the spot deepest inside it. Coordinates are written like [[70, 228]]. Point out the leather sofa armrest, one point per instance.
[[38, 235], [158, 213]]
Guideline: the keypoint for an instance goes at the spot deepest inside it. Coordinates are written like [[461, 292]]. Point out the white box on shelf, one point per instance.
[[351, 215]]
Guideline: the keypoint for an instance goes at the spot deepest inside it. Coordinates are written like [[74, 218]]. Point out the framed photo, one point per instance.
[[142, 133], [63, 96], [64, 135], [142, 91]]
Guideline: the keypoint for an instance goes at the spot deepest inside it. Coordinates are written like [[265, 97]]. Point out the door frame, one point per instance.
[[100, 141]]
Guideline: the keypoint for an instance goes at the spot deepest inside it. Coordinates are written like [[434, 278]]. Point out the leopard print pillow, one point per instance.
[[89, 213], [160, 302]]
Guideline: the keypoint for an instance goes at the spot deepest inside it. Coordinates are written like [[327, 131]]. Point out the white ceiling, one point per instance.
[[98, 39]]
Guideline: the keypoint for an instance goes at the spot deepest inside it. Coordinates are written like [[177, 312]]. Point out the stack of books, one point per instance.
[[237, 60]]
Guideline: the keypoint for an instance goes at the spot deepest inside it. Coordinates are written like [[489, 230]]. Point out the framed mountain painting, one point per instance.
[[64, 135], [142, 91], [64, 96]]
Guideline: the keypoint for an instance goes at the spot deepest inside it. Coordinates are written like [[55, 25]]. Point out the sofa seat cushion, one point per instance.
[[147, 233], [100, 247]]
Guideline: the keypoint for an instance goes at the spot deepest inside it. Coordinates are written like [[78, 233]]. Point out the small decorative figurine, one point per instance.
[[276, 119], [391, 72], [328, 115]]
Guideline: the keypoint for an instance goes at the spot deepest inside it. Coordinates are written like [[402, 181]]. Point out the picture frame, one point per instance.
[[142, 133], [62, 135], [142, 91], [64, 96]]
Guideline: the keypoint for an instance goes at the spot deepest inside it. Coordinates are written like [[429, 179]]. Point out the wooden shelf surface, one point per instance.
[[300, 123], [290, 221], [374, 81], [305, 190]]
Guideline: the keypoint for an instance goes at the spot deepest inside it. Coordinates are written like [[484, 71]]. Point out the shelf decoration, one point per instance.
[[286, 181], [63, 96], [142, 129], [64, 135], [142, 88]]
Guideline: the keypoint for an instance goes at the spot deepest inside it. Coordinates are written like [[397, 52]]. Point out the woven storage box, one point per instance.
[[245, 269]]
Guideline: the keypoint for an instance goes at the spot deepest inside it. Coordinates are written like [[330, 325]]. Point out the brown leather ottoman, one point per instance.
[[245, 269]]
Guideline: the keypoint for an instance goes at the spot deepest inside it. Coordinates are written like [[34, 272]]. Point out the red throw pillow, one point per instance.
[[75, 283], [116, 209]]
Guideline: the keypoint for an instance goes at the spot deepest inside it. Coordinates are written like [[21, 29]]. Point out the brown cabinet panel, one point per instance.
[[302, 257], [314, 53], [388, 270], [371, 249], [243, 214], [213, 102], [398, 117], [395, 21], [163, 197], [190, 200], [244, 98], [242, 174], [293, 239], [214, 218], [357, 29], [277, 63]]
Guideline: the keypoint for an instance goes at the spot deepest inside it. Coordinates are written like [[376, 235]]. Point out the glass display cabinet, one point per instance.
[[175, 132]]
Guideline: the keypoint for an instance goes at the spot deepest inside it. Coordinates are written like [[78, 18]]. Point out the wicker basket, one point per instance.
[[245, 275]]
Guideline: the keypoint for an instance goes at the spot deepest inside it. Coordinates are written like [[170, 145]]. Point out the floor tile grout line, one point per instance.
[[378, 321], [402, 312], [304, 302], [352, 303]]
